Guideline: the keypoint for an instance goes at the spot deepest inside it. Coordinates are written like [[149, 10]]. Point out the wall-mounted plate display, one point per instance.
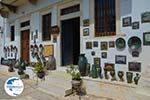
[[120, 43], [111, 44], [95, 44], [97, 61], [146, 38], [134, 43], [135, 25], [88, 45], [126, 21], [104, 54], [86, 32], [104, 45], [134, 66], [145, 17], [120, 59]]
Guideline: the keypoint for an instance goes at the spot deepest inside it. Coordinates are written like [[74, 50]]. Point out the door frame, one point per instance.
[[21, 43]]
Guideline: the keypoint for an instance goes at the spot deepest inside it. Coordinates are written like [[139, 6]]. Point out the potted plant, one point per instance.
[[76, 78], [39, 70]]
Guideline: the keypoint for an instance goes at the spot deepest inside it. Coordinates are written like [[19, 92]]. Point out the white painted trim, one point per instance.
[[69, 16], [25, 28]]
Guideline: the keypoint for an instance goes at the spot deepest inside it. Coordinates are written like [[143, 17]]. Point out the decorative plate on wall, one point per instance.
[[134, 43], [120, 43]]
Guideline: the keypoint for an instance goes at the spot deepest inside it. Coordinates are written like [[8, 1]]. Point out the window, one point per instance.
[[46, 24], [70, 9], [24, 24], [12, 32], [105, 20]]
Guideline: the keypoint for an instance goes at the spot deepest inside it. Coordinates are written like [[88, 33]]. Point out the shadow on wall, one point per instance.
[[126, 7]]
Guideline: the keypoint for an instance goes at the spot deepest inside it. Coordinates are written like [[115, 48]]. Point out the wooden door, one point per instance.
[[25, 45]]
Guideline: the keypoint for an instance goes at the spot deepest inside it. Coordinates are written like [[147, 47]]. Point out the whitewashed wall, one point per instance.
[[124, 8], [132, 8]]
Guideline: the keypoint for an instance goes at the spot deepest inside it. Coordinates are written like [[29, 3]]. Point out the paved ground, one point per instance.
[[31, 92]]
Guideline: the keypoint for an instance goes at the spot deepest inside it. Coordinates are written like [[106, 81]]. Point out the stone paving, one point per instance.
[[31, 91]]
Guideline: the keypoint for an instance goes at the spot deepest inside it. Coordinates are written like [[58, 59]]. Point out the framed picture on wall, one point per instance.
[[104, 54], [86, 32], [88, 45], [95, 44], [134, 66], [86, 22], [111, 44], [97, 61], [145, 17], [120, 59], [104, 45], [126, 21], [135, 25], [146, 38]]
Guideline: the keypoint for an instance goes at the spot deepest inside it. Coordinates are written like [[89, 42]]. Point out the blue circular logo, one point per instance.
[[14, 86]]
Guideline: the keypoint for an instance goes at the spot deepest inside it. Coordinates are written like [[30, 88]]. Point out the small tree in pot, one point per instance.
[[76, 78], [39, 70]]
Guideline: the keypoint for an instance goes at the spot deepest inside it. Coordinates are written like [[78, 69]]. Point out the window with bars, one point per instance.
[[46, 24], [105, 20], [12, 33]]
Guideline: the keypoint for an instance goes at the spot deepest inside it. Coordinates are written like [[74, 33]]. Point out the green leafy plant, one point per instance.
[[74, 72], [38, 67]]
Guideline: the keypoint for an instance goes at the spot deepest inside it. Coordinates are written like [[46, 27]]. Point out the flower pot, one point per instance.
[[120, 75], [40, 75], [76, 86], [82, 63], [129, 76]]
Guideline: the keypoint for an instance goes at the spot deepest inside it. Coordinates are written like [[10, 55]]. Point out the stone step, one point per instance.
[[56, 82]]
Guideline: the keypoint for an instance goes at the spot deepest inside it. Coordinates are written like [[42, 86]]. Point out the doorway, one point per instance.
[[25, 45], [70, 41]]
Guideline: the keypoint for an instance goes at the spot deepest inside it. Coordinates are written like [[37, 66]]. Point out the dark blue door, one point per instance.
[[70, 39]]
